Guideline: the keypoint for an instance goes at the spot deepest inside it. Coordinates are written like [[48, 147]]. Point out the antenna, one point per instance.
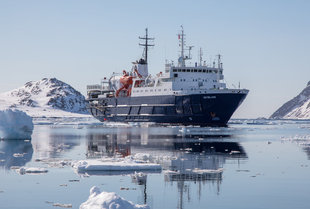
[[189, 52], [182, 58], [200, 56], [219, 66], [146, 44], [219, 61], [181, 39]]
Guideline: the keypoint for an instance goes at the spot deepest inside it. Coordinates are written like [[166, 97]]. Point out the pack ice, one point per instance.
[[108, 200], [15, 124]]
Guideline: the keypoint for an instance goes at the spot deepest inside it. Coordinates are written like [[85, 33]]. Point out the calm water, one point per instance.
[[268, 168]]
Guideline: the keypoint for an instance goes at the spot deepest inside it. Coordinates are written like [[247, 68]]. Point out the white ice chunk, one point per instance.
[[113, 164], [139, 178], [206, 171], [108, 200], [15, 124], [62, 205], [18, 154]]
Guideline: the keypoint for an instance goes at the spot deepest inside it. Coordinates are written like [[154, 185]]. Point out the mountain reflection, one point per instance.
[[15, 153], [52, 142], [307, 150]]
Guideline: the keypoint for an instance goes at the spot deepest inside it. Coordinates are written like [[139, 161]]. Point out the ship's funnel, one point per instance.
[[143, 70]]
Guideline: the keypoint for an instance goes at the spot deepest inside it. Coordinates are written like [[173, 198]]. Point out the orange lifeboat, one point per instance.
[[126, 83]]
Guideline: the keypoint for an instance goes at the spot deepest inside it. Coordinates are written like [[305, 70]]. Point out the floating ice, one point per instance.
[[24, 170], [62, 205], [108, 200], [18, 155], [139, 178], [15, 124], [205, 171], [113, 164]]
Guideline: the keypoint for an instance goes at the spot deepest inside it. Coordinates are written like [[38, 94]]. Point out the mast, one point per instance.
[[182, 58], [219, 64], [146, 44], [200, 56], [182, 45]]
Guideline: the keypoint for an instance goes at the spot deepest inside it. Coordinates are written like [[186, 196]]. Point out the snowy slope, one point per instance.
[[48, 97], [296, 108]]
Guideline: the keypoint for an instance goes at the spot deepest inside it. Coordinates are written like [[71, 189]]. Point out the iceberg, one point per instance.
[[15, 124], [108, 200]]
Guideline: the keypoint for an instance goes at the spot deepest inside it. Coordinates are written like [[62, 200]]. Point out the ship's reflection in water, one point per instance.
[[189, 155]]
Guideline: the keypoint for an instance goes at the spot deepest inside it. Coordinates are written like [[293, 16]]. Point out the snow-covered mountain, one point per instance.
[[47, 97], [296, 108]]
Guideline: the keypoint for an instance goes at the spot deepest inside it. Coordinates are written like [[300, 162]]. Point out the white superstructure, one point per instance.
[[180, 79]]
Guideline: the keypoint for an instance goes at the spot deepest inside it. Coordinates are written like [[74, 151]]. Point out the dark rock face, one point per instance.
[[295, 107], [51, 92]]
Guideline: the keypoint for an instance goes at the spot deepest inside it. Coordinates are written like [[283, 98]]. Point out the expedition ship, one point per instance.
[[181, 94]]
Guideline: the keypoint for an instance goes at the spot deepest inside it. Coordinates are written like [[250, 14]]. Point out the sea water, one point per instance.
[[261, 164]]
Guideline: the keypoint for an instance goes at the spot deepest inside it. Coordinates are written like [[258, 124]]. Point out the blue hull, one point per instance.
[[198, 109]]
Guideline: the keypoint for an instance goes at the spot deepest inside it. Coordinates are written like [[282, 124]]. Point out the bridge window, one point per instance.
[[195, 71], [199, 71], [183, 70], [175, 75], [179, 70], [203, 71], [174, 70], [188, 70]]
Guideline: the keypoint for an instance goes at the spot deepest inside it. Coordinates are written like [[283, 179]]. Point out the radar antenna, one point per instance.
[[146, 44]]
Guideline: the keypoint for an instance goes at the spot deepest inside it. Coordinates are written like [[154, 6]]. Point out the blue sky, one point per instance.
[[265, 44]]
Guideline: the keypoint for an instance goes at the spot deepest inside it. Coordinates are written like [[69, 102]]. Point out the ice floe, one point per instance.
[[15, 124], [18, 154], [108, 200], [139, 178], [194, 174], [113, 164], [31, 170], [62, 205]]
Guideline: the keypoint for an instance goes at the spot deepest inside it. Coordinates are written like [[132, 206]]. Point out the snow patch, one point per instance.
[[15, 124], [108, 200]]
